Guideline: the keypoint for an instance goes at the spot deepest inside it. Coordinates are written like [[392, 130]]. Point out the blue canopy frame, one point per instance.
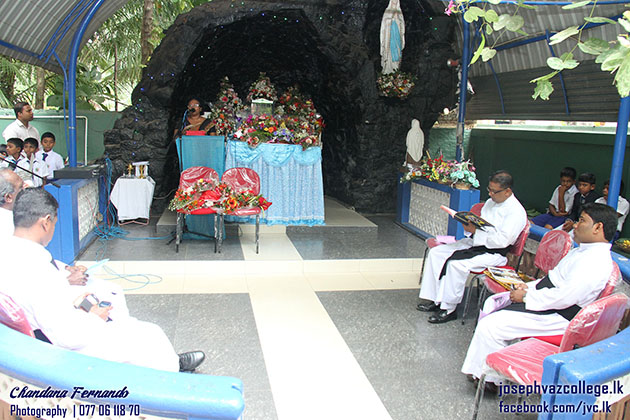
[[55, 44], [624, 107]]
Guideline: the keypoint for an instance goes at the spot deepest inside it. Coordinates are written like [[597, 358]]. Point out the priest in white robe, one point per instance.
[[546, 307], [447, 266]]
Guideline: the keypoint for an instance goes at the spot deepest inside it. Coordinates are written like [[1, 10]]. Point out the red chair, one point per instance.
[[523, 362], [186, 179], [615, 275], [12, 315], [433, 242], [516, 249], [553, 247], [243, 179]]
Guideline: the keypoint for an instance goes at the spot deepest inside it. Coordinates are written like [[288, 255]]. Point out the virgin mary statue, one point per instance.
[[392, 37]]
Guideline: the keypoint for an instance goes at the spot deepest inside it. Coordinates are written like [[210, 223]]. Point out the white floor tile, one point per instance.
[[321, 282], [312, 372], [215, 284], [273, 247], [393, 280]]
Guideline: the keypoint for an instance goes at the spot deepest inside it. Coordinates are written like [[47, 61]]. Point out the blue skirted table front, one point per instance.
[[291, 178]]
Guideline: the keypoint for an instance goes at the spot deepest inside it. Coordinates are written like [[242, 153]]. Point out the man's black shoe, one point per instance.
[[428, 307], [189, 361], [442, 317]]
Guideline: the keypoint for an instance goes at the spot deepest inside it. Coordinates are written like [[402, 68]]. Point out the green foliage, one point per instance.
[[613, 55]]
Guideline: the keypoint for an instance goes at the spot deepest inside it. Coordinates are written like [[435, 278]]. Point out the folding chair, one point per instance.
[[187, 178], [516, 250], [243, 179], [523, 362], [433, 242]]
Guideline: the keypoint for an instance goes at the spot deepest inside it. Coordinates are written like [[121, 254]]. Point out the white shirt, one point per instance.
[[579, 278], [569, 195], [42, 292], [53, 160], [6, 224], [622, 208], [21, 163], [509, 219], [19, 130], [38, 167]]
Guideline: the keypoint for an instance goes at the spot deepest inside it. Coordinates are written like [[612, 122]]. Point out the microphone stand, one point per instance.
[[14, 164], [181, 132]]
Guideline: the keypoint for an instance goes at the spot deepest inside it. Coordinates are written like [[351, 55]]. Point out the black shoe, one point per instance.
[[189, 361], [442, 317], [428, 307]]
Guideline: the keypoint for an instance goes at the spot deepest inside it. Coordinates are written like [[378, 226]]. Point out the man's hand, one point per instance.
[[568, 225], [469, 227], [516, 296], [520, 286], [77, 276], [103, 313]]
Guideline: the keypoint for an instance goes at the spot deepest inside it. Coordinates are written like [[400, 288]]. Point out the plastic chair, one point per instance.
[[187, 178], [516, 249], [615, 275], [243, 179], [523, 362], [554, 246], [433, 242], [12, 315]]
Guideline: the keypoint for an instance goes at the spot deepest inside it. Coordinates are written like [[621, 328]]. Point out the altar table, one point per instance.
[[132, 197], [291, 178]]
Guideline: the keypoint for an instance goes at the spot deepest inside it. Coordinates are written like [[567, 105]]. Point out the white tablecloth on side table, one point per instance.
[[132, 197]]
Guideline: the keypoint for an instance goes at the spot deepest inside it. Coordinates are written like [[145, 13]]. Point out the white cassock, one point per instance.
[[579, 278], [392, 37], [45, 296], [509, 219], [102, 289], [6, 224]]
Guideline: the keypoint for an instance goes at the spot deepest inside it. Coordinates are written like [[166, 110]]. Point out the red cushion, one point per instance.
[[206, 210], [551, 339], [246, 211], [522, 362]]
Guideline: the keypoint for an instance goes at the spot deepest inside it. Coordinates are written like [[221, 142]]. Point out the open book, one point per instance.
[[506, 277], [466, 217]]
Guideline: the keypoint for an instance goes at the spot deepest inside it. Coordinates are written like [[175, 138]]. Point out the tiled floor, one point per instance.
[[320, 325]]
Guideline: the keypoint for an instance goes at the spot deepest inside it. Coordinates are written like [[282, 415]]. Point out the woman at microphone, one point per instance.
[[194, 120]]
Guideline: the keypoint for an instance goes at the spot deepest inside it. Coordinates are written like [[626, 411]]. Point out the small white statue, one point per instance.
[[415, 143]]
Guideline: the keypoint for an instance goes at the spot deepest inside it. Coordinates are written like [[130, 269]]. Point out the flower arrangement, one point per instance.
[[397, 84], [457, 174], [296, 122], [262, 89], [223, 115], [216, 195]]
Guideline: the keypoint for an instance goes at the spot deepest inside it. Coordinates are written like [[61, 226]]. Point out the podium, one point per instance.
[[206, 151]]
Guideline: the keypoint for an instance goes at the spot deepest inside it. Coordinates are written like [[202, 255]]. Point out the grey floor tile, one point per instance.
[[259, 405], [204, 250]]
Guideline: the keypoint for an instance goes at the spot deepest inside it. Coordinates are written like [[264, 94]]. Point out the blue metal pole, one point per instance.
[[72, 81], [618, 153], [463, 86]]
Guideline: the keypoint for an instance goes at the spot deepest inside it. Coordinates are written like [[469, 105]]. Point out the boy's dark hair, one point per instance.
[[601, 213], [568, 172], [19, 107], [621, 186], [16, 142], [32, 141], [503, 178], [588, 177], [49, 135], [31, 204]]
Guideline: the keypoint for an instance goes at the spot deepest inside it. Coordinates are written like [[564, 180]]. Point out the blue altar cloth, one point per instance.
[[206, 151], [291, 178]]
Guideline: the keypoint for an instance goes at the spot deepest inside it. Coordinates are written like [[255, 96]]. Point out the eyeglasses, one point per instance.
[[491, 192], [195, 105]]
